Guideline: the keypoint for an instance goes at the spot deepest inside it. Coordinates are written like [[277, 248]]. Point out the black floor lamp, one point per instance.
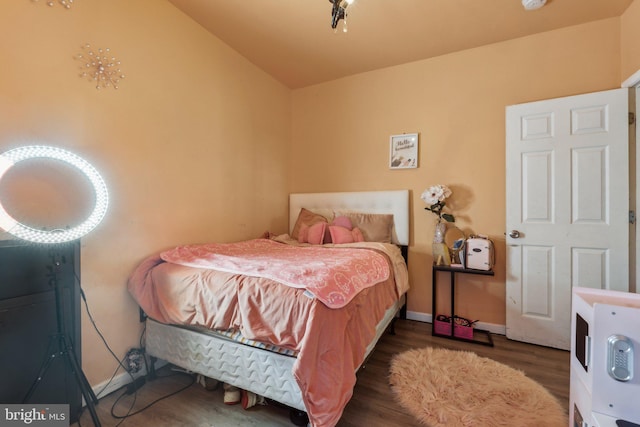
[[60, 344]]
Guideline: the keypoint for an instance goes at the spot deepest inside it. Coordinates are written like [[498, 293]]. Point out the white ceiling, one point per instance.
[[293, 40]]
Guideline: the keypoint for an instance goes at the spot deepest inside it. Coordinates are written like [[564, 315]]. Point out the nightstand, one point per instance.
[[452, 285]]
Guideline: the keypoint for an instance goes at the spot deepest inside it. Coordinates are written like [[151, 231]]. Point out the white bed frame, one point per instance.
[[260, 371]]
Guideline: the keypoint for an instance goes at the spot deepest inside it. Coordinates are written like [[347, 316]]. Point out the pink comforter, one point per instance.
[[333, 275], [331, 342]]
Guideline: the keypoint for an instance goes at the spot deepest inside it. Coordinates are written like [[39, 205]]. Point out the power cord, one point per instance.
[[127, 393], [120, 362], [131, 388]]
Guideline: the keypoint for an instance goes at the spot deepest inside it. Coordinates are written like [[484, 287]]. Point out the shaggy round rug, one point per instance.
[[446, 388]]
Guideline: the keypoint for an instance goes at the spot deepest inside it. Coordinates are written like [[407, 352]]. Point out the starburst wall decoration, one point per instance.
[[100, 68], [66, 3]]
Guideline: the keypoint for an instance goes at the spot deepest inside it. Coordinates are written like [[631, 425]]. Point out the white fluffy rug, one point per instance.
[[446, 388]]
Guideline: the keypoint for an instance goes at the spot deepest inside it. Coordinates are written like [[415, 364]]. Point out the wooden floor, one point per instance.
[[372, 404]]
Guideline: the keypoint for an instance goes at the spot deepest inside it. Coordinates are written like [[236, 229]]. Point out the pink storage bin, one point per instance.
[[442, 328], [459, 331], [463, 331]]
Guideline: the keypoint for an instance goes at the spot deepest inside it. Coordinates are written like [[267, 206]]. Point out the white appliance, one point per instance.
[[479, 253], [605, 358]]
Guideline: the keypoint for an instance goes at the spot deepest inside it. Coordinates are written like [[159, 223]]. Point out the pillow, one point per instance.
[[344, 235], [313, 234], [308, 218], [342, 221], [374, 227]]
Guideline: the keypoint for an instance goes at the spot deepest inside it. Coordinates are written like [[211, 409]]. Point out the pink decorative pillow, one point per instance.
[[343, 221], [357, 235], [313, 234], [344, 235], [308, 218]]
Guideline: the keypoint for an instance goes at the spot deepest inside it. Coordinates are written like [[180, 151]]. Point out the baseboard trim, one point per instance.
[[428, 318], [107, 387]]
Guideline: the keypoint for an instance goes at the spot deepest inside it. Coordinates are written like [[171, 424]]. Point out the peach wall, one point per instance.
[[457, 104], [193, 145], [199, 145], [629, 37]]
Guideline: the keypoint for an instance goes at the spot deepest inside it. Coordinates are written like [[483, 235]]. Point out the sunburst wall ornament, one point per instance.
[[66, 3], [99, 67]]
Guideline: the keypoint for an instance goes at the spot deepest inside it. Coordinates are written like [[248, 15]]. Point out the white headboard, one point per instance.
[[383, 202]]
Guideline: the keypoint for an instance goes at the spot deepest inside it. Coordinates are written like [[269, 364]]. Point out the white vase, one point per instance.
[[438, 236]]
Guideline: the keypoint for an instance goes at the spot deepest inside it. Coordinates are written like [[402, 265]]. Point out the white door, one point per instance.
[[567, 172]]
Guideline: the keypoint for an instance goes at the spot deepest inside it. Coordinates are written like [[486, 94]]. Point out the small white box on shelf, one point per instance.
[[479, 253]]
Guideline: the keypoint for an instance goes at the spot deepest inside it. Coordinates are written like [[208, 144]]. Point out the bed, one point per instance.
[[308, 357]]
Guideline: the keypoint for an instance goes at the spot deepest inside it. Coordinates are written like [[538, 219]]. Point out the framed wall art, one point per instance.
[[403, 153]]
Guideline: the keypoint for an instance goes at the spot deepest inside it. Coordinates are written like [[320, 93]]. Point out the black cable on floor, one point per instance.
[[121, 365], [130, 414]]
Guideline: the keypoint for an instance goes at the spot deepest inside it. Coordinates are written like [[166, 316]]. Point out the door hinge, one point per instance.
[[632, 118], [632, 217]]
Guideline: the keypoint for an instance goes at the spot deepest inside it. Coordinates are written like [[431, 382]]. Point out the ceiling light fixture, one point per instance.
[[533, 4], [338, 12]]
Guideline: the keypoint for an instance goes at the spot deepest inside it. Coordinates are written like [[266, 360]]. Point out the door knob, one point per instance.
[[514, 234]]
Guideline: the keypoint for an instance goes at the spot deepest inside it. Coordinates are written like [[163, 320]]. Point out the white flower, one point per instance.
[[434, 198], [435, 194]]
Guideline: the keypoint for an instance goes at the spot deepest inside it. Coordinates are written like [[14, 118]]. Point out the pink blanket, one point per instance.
[[331, 342], [333, 275]]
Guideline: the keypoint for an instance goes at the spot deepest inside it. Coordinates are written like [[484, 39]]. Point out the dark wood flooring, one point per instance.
[[372, 404]]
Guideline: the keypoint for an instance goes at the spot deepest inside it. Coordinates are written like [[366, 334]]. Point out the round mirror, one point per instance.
[[454, 239]]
